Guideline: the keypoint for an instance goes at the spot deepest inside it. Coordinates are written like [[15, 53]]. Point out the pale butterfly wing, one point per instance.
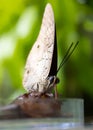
[[40, 57]]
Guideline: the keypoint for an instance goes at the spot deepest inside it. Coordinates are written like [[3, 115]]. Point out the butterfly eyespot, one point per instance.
[[45, 68], [38, 46], [27, 71]]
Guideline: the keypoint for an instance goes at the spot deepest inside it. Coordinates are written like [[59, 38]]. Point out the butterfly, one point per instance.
[[40, 75]]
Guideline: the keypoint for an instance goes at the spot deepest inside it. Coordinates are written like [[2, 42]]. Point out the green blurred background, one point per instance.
[[20, 22]]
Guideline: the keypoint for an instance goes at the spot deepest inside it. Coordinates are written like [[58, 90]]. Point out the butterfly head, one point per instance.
[[52, 81]]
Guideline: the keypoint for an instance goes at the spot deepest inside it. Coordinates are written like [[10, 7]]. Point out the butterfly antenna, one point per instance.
[[67, 55]]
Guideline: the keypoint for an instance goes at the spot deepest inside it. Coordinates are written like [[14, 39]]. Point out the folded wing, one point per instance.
[[40, 57]]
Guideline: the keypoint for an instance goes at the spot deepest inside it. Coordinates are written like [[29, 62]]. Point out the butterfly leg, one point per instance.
[[55, 87], [55, 90]]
